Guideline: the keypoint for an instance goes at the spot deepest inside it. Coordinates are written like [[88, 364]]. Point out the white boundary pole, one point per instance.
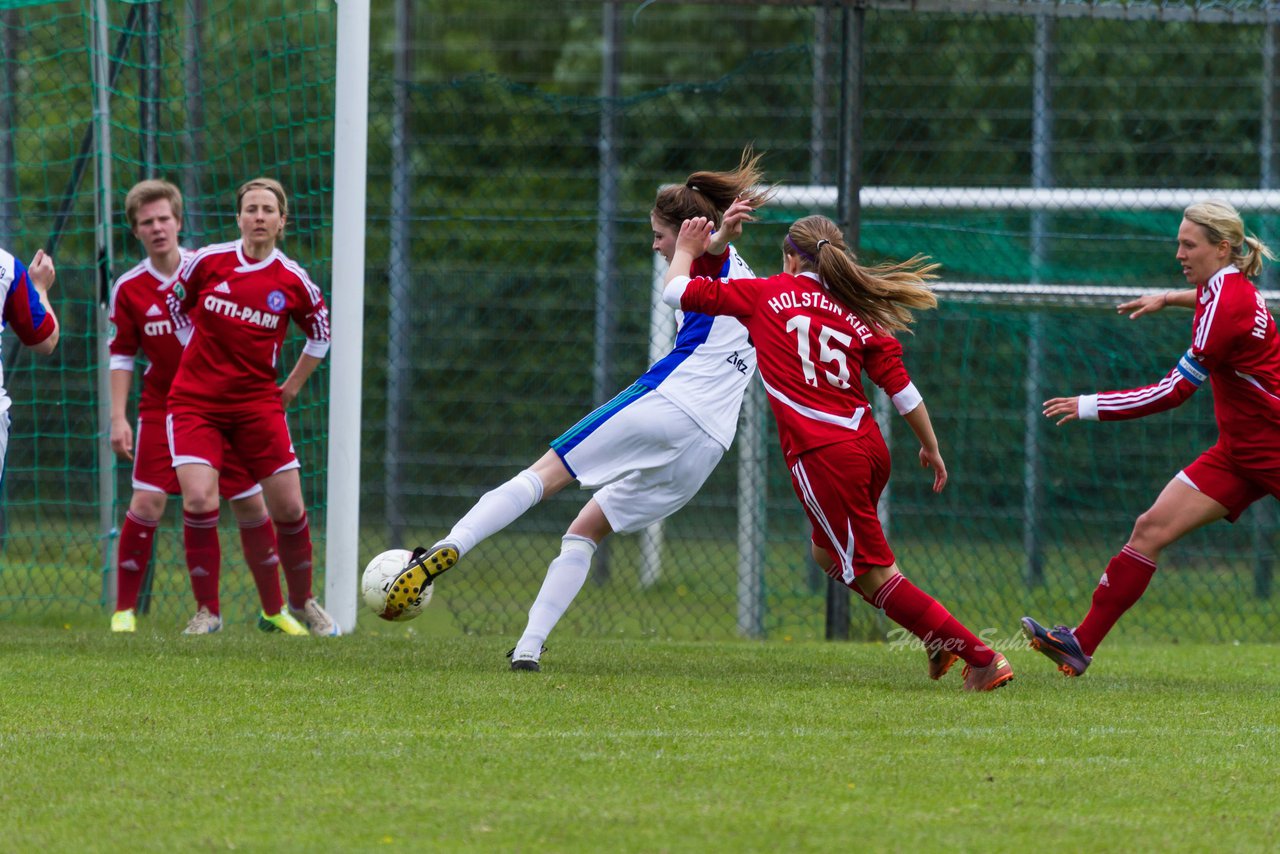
[[350, 150]]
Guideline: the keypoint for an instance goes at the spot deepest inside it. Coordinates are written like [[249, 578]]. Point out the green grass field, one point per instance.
[[393, 739]]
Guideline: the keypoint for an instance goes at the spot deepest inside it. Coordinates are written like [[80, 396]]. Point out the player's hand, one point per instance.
[[694, 235], [287, 396], [1145, 304], [122, 438], [731, 225], [41, 271], [1063, 408], [933, 460]]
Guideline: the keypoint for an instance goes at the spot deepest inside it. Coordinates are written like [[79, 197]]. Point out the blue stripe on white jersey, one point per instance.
[[694, 332], [1191, 369], [707, 372]]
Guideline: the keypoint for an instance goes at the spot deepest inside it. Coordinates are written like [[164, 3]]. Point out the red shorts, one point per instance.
[[1217, 475], [153, 465], [839, 486], [257, 436]]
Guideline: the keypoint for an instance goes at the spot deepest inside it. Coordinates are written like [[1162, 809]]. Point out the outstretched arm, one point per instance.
[[1174, 390], [1151, 303]]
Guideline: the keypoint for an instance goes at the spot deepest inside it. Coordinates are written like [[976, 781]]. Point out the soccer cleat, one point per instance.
[[281, 622], [525, 660], [124, 621], [940, 661], [316, 619], [1059, 645], [205, 622], [421, 572], [988, 678]]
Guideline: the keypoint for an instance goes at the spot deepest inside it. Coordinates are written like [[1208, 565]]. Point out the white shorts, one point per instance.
[[645, 457]]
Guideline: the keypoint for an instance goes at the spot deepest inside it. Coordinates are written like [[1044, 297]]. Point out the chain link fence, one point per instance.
[[515, 150]]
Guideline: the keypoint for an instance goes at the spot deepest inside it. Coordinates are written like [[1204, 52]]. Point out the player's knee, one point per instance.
[[148, 505], [251, 509], [1151, 532]]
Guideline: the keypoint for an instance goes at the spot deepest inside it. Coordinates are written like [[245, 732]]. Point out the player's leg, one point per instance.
[[939, 659], [1204, 492], [501, 506], [840, 486], [651, 459], [154, 481], [495, 510], [134, 552], [195, 446], [258, 540], [565, 577], [283, 494], [200, 543]]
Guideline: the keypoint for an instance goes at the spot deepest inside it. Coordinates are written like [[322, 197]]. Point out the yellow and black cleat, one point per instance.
[[421, 571]]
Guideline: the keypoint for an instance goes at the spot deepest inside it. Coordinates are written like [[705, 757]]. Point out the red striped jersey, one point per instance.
[[811, 352], [140, 321], [1235, 346], [240, 310]]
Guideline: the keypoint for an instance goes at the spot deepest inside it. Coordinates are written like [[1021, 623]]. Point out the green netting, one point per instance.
[[200, 96], [482, 340]]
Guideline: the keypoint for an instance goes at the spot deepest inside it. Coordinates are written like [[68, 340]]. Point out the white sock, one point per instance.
[[565, 578], [495, 510]]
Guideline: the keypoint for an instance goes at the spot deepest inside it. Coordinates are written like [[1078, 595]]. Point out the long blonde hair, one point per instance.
[[1221, 221], [710, 194], [883, 294]]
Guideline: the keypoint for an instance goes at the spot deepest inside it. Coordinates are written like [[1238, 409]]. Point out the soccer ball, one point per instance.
[[377, 580]]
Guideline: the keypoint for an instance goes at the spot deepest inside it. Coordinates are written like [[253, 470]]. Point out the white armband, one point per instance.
[[674, 291], [318, 349], [122, 363], [1087, 407], [907, 399]]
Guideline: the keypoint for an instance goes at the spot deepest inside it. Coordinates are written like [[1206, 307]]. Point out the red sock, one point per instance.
[[922, 615], [1121, 585], [204, 557], [295, 554], [259, 541], [137, 540]]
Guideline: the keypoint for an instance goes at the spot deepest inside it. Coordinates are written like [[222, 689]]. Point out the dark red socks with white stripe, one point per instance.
[[1122, 584]]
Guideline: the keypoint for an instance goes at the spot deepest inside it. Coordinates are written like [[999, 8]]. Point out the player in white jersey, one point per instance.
[[25, 308], [647, 451]]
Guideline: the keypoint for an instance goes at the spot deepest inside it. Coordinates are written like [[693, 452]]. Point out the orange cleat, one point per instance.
[[988, 678], [940, 661]]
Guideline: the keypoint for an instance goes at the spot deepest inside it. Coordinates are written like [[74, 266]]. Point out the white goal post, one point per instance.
[[350, 149]]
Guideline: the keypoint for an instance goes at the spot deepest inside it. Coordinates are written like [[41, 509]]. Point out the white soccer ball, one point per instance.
[[377, 580]]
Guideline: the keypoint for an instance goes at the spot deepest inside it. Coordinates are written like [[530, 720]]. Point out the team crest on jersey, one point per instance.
[[275, 300], [111, 332], [179, 291]]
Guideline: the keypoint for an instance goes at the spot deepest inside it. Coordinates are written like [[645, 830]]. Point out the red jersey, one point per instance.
[[1235, 345], [140, 320], [811, 352], [240, 311]]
